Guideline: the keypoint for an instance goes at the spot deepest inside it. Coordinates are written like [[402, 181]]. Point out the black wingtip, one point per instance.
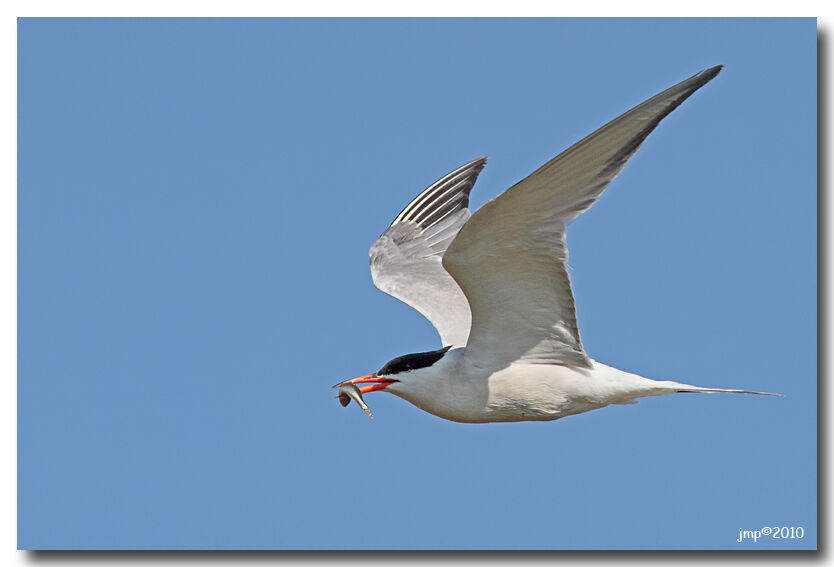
[[477, 165], [710, 73], [702, 78], [445, 196]]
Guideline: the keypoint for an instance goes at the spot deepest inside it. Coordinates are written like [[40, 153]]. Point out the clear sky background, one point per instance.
[[196, 202]]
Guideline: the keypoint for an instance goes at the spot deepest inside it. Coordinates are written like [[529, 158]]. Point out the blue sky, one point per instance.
[[196, 201]]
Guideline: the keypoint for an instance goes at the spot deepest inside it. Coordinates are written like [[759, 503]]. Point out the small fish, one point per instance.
[[348, 392]]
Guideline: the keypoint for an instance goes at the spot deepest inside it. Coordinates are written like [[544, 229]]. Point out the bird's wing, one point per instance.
[[510, 258], [405, 260]]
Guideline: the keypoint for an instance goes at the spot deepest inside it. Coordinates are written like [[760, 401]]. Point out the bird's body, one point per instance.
[[496, 286], [456, 389]]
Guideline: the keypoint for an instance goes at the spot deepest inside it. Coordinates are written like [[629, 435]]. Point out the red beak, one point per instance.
[[379, 382]]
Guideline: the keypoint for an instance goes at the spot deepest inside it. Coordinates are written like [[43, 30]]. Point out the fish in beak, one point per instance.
[[348, 390]]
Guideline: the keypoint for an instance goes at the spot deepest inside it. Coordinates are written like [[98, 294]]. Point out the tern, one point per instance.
[[495, 286]]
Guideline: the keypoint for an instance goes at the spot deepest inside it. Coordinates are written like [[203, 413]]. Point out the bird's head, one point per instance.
[[399, 369]]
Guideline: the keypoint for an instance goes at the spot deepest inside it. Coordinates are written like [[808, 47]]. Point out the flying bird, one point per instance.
[[495, 285]]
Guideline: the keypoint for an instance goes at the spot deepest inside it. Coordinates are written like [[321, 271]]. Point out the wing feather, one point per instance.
[[510, 258], [406, 259]]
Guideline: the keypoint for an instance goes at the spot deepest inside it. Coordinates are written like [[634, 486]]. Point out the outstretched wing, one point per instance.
[[510, 259], [406, 259]]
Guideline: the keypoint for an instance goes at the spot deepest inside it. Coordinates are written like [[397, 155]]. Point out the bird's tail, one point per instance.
[[678, 387]]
